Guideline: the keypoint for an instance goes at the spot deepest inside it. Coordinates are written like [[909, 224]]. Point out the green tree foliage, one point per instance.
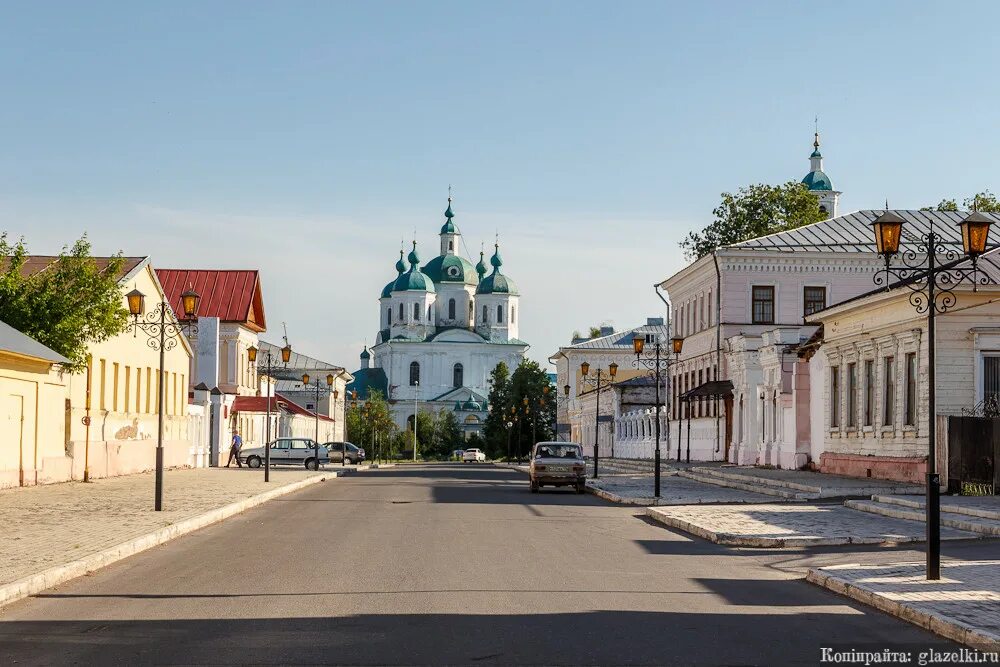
[[754, 211], [68, 306], [371, 425], [527, 401], [984, 201]]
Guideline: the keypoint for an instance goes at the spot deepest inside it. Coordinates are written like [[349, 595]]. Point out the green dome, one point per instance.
[[400, 268], [413, 280], [497, 283], [451, 269], [817, 180], [481, 266], [449, 226], [387, 290], [365, 354]]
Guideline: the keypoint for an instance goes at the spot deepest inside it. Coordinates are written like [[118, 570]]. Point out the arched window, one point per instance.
[[470, 313], [430, 317], [400, 312], [513, 313], [416, 312], [451, 309], [458, 376], [484, 315], [451, 245], [499, 314], [414, 374], [388, 316]]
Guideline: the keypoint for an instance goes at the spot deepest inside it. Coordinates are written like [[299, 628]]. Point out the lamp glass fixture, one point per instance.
[[585, 368], [677, 344], [305, 378], [329, 380], [888, 229], [637, 344], [566, 390], [136, 302], [613, 369], [286, 354], [975, 229], [189, 301], [252, 354]]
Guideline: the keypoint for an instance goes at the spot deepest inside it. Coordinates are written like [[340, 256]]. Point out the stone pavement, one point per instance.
[[674, 490], [793, 525], [51, 525], [964, 605]]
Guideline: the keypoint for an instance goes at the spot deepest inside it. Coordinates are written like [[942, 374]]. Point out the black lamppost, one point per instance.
[[510, 425], [677, 344], [566, 406], [599, 382], [655, 366], [328, 389], [931, 271], [268, 372], [163, 333]]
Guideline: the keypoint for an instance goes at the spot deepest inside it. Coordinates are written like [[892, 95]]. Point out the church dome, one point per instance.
[[818, 180], [449, 226], [496, 282], [413, 280], [400, 268], [451, 269], [365, 354]]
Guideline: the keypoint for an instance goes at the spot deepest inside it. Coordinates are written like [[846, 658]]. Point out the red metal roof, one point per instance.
[[230, 295], [259, 404]]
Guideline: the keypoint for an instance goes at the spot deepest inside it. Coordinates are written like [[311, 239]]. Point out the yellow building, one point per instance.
[[32, 396]]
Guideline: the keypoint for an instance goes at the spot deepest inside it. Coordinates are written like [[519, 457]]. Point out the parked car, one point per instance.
[[354, 453], [557, 464], [287, 451], [473, 455]]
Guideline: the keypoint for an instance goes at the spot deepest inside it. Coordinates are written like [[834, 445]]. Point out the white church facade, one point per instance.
[[443, 328]]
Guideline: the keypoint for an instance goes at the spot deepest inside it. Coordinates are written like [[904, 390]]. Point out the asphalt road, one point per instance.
[[446, 564]]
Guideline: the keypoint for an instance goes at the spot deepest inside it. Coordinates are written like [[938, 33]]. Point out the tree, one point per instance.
[[495, 431], [372, 422], [984, 201], [70, 305], [534, 400], [754, 211]]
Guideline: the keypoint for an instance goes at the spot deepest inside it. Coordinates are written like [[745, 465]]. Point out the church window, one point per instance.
[[484, 315], [451, 245], [470, 313], [458, 376], [451, 309], [430, 318], [513, 312], [388, 315], [400, 312], [414, 373], [416, 312], [499, 314]]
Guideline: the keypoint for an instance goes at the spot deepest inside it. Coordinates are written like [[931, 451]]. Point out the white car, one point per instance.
[[473, 455]]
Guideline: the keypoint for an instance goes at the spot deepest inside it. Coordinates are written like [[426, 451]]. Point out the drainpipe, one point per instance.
[[718, 345]]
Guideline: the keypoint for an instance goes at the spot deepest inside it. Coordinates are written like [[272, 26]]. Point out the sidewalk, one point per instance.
[[674, 490], [964, 605], [50, 529], [793, 525]]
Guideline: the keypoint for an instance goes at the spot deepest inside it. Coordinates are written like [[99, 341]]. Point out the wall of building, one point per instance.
[[32, 425]]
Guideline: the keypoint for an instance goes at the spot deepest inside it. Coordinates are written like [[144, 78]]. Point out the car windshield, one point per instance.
[[558, 452]]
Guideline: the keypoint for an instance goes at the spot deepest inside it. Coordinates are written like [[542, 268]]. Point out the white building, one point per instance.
[[443, 328]]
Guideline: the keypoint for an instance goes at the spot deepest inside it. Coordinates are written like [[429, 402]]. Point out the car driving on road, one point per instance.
[[354, 453], [557, 464], [473, 455], [287, 451]]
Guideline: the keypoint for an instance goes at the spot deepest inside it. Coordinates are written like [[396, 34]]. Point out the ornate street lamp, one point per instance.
[[677, 345], [328, 389], [600, 381], [163, 334], [654, 365], [268, 372], [931, 270]]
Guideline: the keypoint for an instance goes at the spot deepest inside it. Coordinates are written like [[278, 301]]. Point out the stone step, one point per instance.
[[767, 490], [832, 486], [770, 482], [946, 506], [964, 522]]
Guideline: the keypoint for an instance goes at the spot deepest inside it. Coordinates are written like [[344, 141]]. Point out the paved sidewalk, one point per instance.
[[964, 605], [674, 490], [52, 525], [793, 525]]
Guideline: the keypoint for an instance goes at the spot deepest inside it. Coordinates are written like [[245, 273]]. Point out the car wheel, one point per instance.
[[534, 487], [581, 487], [253, 461], [312, 464]]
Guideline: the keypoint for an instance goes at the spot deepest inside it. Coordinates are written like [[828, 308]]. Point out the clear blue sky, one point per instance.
[[306, 139]]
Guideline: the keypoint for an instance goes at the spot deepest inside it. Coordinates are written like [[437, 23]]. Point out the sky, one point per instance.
[[307, 139]]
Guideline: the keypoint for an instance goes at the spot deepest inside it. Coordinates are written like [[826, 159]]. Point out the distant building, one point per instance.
[[443, 328]]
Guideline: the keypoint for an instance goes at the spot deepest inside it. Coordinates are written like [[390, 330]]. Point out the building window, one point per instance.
[[430, 315], [852, 395], [709, 318], [814, 300], [911, 389], [400, 312], [458, 376], [763, 304], [103, 370], [470, 313], [416, 312], [513, 314], [484, 315], [869, 408], [451, 245], [451, 309], [991, 377], [414, 374], [701, 401], [889, 407], [388, 316], [499, 314], [834, 396]]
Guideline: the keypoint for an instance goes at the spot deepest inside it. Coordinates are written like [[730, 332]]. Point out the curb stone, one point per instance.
[[936, 623], [59, 574]]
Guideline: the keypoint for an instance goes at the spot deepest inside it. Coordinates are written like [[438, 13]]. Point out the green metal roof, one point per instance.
[[497, 283], [451, 269], [449, 226], [413, 281], [817, 180], [367, 379]]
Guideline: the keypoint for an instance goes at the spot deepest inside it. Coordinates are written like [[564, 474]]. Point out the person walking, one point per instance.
[[234, 450]]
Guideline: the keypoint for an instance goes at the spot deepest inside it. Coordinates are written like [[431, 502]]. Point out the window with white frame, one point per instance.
[[762, 304], [991, 376], [852, 393], [869, 388], [834, 396], [910, 407], [889, 392]]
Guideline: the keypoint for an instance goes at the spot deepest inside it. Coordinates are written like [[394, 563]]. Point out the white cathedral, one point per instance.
[[443, 329]]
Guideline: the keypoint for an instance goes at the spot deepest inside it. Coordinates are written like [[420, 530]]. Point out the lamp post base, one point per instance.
[[933, 502]]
